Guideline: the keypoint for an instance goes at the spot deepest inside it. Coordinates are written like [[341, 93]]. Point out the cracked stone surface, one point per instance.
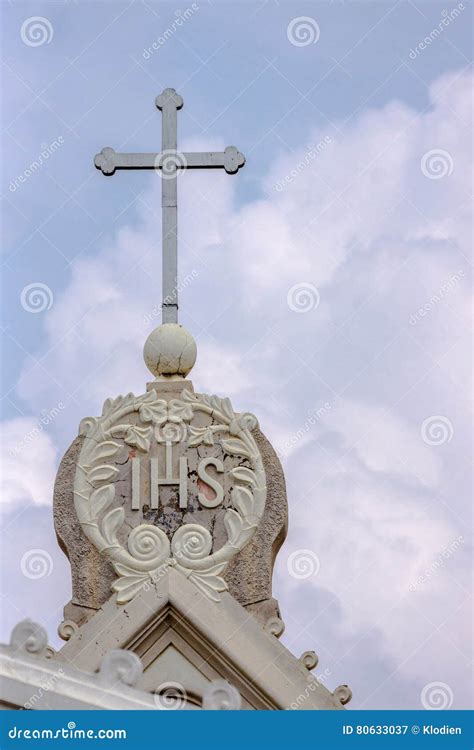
[[249, 573], [170, 351]]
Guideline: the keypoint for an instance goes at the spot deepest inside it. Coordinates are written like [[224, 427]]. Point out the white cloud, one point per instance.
[[28, 466], [382, 441], [378, 238]]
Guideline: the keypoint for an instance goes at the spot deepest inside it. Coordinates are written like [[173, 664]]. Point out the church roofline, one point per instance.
[[225, 634]]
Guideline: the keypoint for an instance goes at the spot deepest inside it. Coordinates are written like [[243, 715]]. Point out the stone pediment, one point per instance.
[[178, 632], [170, 478], [30, 679]]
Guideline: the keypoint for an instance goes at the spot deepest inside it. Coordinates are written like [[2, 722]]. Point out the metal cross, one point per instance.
[[170, 162]]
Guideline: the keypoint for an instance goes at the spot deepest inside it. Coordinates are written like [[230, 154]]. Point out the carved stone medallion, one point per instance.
[[176, 478], [198, 450]]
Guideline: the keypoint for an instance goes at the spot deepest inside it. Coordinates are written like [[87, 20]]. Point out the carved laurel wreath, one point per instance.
[[149, 550]]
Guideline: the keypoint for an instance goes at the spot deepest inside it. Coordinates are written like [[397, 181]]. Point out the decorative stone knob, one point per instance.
[[66, 629], [29, 636], [169, 97], [309, 659], [170, 352], [105, 160], [221, 696], [233, 160], [343, 694], [275, 626], [120, 666]]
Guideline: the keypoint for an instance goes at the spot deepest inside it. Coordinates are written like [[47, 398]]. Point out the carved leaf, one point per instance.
[[200, 435], [233, 525], [86, 424], [235, 447], [246, 534], [102, 473], [101, 498], [214, 570], [104, 450], [211, 585], [118, 430], [128, 586], [123, 583], [190, 397], [203, 399], [124, 570], [216, 403], [221, 405], [111, 524], [226, 408], [243, 474], [178, 411], [111, 403], [156, 412], [147, 397], [208, 581], [139, 437], [242, 499]]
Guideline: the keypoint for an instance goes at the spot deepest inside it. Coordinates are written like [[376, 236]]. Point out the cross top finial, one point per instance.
[[168, 163], [169, 96]]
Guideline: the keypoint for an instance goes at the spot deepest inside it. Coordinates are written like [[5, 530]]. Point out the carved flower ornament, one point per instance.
[[148, 550]]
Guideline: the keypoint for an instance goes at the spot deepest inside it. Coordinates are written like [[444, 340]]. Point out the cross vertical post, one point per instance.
[[169, 162], [169, 102]]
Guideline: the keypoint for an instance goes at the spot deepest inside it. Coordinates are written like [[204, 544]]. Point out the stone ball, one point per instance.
[[170, 351]]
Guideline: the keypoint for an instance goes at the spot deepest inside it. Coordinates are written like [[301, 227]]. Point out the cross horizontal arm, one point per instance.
[[109, 160], [231, 159]]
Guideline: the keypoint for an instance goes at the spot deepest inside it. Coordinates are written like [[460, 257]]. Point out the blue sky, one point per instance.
[[376, 221]]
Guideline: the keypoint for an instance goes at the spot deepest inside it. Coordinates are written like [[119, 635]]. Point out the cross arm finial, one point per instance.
[[233, 160]]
